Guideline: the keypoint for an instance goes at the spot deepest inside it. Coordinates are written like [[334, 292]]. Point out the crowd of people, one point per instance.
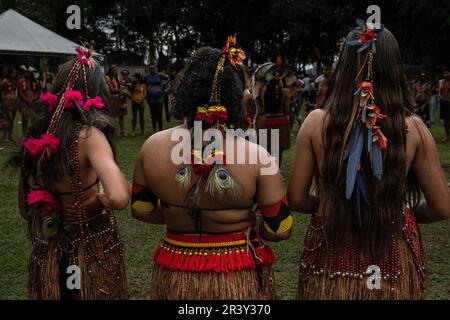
[[20, 94], [362, 157], [432, 98]]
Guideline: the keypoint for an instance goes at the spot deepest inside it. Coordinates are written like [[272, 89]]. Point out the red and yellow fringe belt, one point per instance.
[[212, 253]]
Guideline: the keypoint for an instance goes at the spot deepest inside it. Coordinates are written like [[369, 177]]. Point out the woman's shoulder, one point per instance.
[[314, 122], [91, 135], [417, 131], [316, 115]]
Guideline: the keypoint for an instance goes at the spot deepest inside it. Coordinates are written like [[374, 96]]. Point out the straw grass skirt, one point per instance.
[[224, 267], [102, 276]]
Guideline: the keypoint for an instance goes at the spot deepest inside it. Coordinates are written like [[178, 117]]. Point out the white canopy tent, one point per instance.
[[20, 35]]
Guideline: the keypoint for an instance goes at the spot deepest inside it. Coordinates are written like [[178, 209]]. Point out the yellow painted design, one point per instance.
[[285, 225], [143, 207]]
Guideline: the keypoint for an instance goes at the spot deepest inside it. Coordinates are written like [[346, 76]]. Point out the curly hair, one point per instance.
[[193, 86]]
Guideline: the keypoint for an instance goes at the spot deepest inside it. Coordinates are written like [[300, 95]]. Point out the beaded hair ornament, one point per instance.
[[212, 175], [214, 113], [363, 136], [48, 144], [42, 149]]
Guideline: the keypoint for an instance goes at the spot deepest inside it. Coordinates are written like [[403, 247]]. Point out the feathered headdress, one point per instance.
[[214, 113], [48, 143], [363, 136]]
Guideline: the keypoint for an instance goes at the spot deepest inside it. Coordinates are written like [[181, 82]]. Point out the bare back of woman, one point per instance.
[[225, 214], [213, 247]]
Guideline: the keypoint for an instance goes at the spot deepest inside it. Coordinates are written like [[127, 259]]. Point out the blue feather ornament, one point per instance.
[[364, 47], [362, 187], [361, 192], [356, 145], [377, 161], [364, 115], [354, 42]]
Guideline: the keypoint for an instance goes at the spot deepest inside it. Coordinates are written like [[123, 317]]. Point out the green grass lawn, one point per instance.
[[141, 239]]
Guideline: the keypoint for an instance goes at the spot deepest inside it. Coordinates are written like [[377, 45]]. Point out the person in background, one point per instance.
[[4, 123], [273, 107], [296, 106], [165, 81], [47, 81], [444, 101], [155, 98], [306, 93], [323, 82], [126, 86], [116, 97], [8, 95], [434, 101], [310, 104], [411, 83], [137, 96], [29, 90], [422, 95]]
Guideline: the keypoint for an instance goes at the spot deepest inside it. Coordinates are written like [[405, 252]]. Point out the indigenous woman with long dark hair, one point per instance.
[[117, 97], [8, 91], [28, 92], [370, 157], [211, 249], [67, 153]]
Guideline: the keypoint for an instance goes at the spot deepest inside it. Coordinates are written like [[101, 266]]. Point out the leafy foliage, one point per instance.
[[304, 31]]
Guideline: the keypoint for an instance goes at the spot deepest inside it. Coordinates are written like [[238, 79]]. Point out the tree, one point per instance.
[[306, 31]]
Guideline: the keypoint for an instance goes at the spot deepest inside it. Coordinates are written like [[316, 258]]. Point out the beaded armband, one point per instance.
[[142, 199], [277, 218]]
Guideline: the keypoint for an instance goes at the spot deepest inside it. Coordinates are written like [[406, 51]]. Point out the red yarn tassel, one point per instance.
[[266, 255], [232, 261]]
